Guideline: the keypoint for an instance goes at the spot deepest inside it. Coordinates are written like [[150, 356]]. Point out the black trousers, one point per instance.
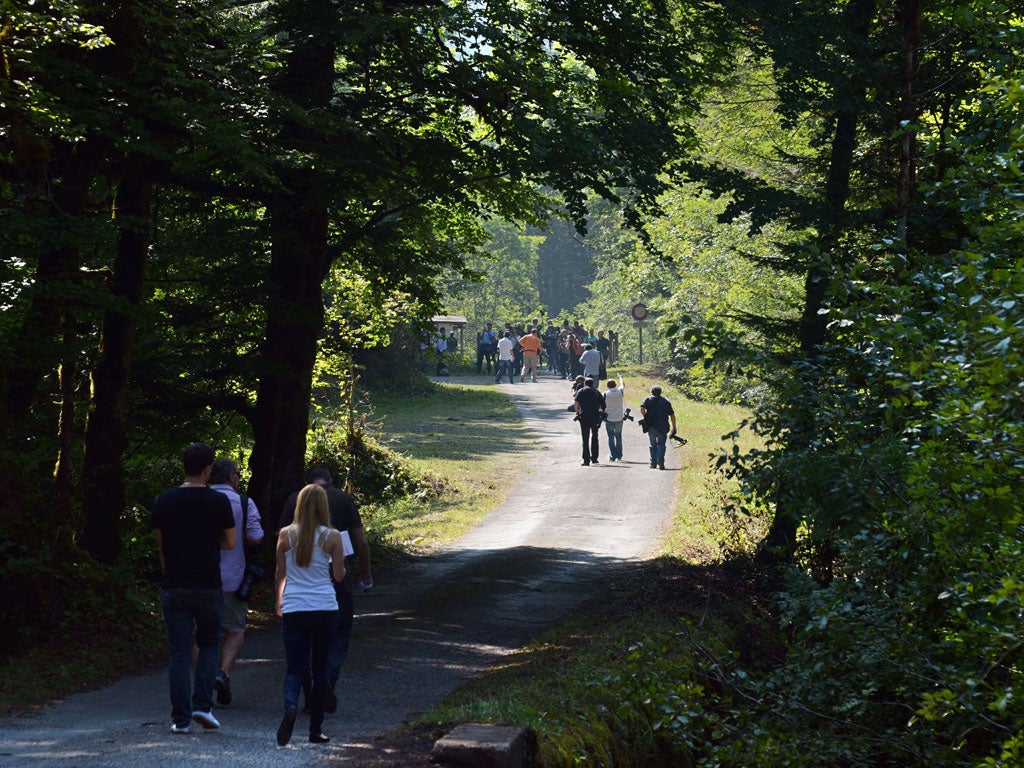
[[590, 431]]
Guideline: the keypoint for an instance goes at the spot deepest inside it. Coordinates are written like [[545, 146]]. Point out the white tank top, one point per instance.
[[310, 588]]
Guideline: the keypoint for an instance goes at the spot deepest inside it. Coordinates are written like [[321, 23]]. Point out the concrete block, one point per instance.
[[473, 745]]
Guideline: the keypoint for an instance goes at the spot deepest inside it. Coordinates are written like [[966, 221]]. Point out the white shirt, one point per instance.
[[309, 588], [613, 403], [505, 347]]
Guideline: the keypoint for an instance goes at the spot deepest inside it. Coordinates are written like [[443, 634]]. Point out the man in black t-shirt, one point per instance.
[[589, 404], [193, 524], [658, 413], [344, 517]]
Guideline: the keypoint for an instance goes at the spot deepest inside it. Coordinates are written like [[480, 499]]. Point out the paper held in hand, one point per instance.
[[346, 544]]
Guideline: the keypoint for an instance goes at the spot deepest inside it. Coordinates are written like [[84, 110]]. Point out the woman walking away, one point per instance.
[[307, 552]]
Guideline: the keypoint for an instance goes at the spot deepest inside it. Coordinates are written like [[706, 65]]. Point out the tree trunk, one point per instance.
[[35, 350], [300, 260], [103, 495], [63, 474], [295, 316], [779, 546]]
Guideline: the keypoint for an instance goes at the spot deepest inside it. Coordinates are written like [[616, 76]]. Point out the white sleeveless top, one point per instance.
[[310, 588]]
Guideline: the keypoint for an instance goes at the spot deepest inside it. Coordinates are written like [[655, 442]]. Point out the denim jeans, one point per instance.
[[504, 366], [657, 440], [188, 613], [307, 640], [614, 430], [340, 641]]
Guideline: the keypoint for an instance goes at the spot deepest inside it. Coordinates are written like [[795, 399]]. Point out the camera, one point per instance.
[[253, 573], [626, 416]]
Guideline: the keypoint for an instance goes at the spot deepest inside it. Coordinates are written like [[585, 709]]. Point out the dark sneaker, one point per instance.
[[223, 686], [284, 730], [205, 719], [661, 466], [318, 738], [186, 728]]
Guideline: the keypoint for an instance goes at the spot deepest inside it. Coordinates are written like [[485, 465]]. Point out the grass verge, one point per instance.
[[468, 434]]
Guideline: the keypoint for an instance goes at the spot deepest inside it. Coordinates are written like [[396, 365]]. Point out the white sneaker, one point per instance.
[[205, 719], [175, 728]]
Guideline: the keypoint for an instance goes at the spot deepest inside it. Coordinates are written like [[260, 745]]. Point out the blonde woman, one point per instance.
[[308, 552]]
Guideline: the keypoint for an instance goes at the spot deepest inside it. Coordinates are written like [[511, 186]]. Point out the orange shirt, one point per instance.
[[531, 344]]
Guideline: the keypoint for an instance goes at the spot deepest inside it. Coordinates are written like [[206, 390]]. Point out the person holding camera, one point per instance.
[[614, 406], [589, 404], [658, 413], [224, 478]]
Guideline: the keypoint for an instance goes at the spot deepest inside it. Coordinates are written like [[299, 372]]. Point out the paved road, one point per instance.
[[419, 634]]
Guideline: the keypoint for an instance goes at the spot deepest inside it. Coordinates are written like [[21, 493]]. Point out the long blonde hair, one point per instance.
[[310, 513]]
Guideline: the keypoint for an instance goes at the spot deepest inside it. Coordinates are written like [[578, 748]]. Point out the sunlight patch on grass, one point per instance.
[[472, 436]]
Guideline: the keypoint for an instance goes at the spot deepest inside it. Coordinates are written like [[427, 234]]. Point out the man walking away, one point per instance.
[[589, 404], [531, 344], [193, 524], [505, 357], [344, 517], [224, 479], [591, 362], [657, 413], [614, 406]]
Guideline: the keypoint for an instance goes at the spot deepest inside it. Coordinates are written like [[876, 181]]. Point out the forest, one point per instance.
[[210, 211]]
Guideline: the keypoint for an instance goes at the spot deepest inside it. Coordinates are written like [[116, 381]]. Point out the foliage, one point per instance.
[[371, 472], [60, 598], [904, 616], [503, 283]]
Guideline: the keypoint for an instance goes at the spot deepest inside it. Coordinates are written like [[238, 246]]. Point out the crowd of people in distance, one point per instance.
[[522, 350]]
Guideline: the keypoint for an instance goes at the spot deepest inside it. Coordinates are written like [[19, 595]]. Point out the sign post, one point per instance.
[[639, 313]]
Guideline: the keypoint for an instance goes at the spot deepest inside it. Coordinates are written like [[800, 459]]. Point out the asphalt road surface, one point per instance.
[[421, 632]]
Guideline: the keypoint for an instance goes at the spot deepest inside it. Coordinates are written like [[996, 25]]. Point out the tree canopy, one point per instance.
[[204, 206]]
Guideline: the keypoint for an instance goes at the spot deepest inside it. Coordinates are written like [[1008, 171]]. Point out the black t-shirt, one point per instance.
[[190, 521], [591, 403], [658, 409], [344, 516]]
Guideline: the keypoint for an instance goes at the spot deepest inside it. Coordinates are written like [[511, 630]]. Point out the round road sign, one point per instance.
[[639, 312]]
